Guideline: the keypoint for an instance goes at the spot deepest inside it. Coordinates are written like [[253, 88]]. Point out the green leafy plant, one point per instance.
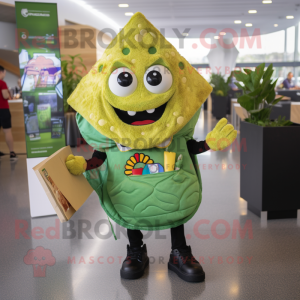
[[71, 76], [259, 95], [280, 122], [219, 84], [238, 94]]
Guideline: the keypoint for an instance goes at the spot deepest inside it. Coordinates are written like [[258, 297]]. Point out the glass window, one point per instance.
[[297, 76], [193, 54], [271, 48], [290, 44], [298, 58]]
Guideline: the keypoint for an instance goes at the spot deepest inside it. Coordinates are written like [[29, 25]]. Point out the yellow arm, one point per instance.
[[222, 136]]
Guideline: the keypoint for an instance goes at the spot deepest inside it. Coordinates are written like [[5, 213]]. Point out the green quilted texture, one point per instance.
[[97, 177], [145, 202], [155, 200]]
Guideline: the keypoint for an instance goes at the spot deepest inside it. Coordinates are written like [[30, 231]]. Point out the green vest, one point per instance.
[[146, 202]]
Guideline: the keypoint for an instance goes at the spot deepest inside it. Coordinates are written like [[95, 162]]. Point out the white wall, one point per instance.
[[11, 79], [7, 34]]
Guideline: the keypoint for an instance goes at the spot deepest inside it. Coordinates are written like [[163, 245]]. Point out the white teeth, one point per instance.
[[133, 113]]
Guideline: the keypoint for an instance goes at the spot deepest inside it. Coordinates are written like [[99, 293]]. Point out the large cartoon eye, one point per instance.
[[158, 79], [122, 82]]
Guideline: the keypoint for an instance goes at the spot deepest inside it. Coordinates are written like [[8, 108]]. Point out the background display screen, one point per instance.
[[40, 71]]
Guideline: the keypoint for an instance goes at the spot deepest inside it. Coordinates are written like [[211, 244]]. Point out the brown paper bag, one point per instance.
[[66, 192]]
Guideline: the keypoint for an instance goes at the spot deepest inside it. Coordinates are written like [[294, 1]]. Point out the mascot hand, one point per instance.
[[76, 164], [222, 136]]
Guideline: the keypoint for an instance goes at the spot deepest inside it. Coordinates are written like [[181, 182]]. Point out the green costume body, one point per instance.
[[147, 202]]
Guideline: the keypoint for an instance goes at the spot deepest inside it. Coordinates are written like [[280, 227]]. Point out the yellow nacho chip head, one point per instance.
[[141, 91]]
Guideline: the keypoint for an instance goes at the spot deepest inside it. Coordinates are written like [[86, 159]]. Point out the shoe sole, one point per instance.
[[136, 275], [186, 277]]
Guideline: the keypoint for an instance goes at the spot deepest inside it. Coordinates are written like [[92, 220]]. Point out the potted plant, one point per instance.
[[270, 161], [71, 76], [219, 96]]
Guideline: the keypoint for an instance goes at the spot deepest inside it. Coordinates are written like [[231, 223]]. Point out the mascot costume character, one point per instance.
[[137, 108]]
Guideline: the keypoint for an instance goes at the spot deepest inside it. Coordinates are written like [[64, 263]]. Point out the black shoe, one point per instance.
[[134, 265], [1, 154], [13, 156], [183, 263]]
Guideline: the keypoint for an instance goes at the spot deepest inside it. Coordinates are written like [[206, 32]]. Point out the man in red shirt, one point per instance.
[[5, 117]]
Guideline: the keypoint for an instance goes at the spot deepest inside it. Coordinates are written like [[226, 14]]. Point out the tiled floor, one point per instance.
[[263, 264]]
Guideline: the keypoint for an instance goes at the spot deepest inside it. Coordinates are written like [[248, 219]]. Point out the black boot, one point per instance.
[[134, 265], [183, 263]]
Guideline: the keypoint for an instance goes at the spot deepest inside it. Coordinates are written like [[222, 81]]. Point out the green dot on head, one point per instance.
[[181, 65], [152, 50], [126, 51], [100, 68]]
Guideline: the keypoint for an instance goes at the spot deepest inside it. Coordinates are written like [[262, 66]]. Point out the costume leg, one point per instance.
[[182, 261], [178, 237], [135, 238], [137, 260]]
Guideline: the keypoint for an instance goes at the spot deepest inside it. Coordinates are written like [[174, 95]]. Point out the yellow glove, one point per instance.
[[222, 136], [76, 164]]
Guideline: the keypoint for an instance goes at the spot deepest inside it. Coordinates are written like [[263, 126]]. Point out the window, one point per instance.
[[298, 58], [194, 55], [290, 44], [297, 76], [271, 49]]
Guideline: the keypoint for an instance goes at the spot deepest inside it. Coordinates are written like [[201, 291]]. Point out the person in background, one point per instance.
[[18, 90], [232, 81], [5, 117], [287, 83]]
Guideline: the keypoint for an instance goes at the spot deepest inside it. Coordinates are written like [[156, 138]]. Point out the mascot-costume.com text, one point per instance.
[[137, 108]]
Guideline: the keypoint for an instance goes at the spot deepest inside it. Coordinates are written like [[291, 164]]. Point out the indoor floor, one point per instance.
[[260, 261]]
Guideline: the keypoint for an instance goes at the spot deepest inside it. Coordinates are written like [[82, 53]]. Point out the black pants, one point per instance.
[[177, 237], [5, 118]]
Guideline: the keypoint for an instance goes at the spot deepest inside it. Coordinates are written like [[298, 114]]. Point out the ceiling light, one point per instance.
[[123, 5], [290, 17], [185, 34], [216, 37], [129, 14], [222, 33], [248, 24], [237, 21], [97, 13], [267, 1], [275, 25], [252, 11]]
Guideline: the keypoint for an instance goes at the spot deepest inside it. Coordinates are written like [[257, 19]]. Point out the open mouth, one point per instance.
[[138, 118]]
